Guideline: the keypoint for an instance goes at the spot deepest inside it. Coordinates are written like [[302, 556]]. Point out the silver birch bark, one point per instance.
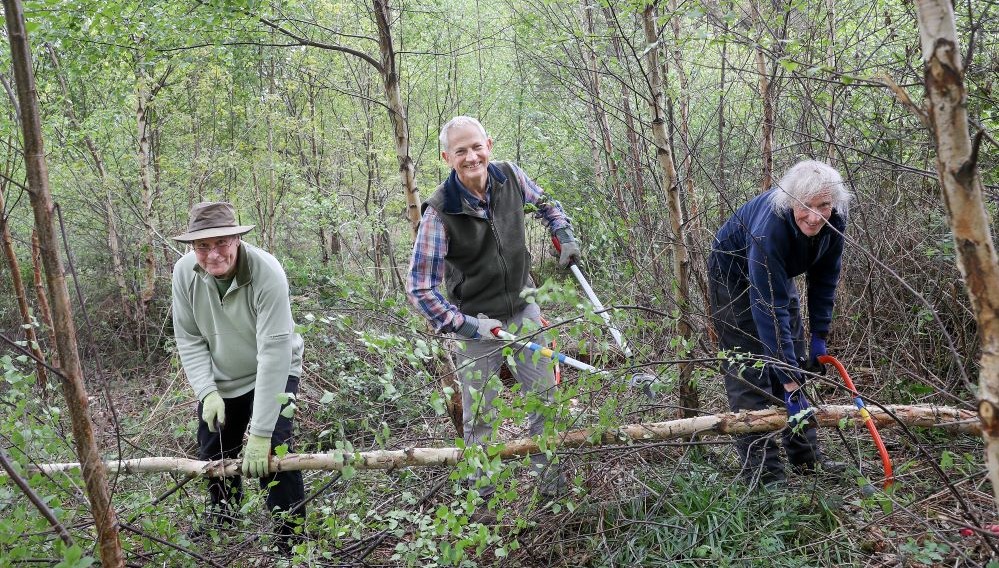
[[681, 255], [954, 420], [957, 169]]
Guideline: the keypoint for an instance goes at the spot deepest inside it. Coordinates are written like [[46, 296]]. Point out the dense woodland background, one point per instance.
[[287, 110]]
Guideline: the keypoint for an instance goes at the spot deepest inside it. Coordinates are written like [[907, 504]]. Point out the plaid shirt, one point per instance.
[[426, 267]]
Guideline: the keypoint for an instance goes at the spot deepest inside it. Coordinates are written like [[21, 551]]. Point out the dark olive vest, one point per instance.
[[487, 262]]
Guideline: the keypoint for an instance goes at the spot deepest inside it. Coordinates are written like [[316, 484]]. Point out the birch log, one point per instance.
[[948, 418]]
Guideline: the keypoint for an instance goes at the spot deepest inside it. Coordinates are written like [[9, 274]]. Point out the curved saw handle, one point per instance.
[[865, 414]]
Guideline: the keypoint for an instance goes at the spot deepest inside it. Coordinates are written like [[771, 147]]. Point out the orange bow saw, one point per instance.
[[865, 414]]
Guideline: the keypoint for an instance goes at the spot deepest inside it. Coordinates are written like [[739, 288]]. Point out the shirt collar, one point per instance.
[[455, 192]]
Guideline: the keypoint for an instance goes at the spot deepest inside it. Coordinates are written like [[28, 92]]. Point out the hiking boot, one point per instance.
[[482, 516], [552, 483], [775, 485], [828, 466], [214, 522], [485, 492]]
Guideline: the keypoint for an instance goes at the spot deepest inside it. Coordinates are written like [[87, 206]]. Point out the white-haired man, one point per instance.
[[794, 228], [472, 238]]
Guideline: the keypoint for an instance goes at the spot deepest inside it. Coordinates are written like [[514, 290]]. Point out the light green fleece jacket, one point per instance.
[[245, 341]]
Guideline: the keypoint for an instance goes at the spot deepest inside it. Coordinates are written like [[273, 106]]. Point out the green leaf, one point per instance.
[[327, 397], [788, 65], [946, 460], [348, 471]]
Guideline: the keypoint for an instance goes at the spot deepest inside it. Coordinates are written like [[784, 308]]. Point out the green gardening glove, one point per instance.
[[213, 410], [256, 456]]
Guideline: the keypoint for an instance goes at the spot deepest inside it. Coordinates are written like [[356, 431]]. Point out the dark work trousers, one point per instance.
[[227, 493], [748, 387]]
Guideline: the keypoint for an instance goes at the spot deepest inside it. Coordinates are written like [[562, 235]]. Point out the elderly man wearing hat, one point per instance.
[[237, 342]]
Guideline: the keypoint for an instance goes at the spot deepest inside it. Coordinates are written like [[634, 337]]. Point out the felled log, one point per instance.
[[944, 417]]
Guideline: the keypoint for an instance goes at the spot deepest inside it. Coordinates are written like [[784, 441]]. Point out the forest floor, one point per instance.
[[664, 504]]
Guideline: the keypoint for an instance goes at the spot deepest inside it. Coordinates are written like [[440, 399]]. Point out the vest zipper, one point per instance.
[[499, 252]]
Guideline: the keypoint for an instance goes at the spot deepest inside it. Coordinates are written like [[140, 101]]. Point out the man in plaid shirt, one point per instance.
[[472, 237]]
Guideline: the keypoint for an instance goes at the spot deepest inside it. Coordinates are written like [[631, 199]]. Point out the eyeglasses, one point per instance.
[[220, 245]]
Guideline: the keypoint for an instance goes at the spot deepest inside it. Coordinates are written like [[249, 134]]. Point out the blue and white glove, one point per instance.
[[798, 410], [478, 328]]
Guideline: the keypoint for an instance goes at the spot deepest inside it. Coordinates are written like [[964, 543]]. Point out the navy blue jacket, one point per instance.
[[763, 250]]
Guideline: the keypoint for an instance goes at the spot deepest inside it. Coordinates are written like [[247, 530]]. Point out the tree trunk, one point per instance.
[[831, 63], [397, 111], [767, 134], [44, 312], [22, 299], [957, 168], [117, 268], [94, 474], [681, 257], [142, 100], [949, 419], [407, 169]]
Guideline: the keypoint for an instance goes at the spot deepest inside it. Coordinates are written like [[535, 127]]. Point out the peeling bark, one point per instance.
[[962, 187], [397, 111], [730, 423], [44, 312], [143, 154], [681, 254]]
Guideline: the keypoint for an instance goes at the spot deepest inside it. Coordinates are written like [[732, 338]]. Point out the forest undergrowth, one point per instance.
[[370, 382]]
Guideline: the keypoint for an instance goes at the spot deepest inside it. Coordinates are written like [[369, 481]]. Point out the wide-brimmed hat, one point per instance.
[[212, 219]]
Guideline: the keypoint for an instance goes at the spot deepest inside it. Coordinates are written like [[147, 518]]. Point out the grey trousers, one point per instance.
[[747, 387], [478, 363]]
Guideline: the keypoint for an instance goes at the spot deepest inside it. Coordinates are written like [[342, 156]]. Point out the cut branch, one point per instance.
[[948, 418]]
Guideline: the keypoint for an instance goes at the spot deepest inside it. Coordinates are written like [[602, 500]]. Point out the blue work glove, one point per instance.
[[570, 253], [213, 411], [478, 328], [256, 456], [798, 410], [817, 348]]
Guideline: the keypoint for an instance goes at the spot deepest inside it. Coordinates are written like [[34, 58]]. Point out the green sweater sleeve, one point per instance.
[[275, 334], [191, 345]]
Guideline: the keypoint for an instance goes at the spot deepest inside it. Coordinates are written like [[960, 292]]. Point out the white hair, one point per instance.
[[807, 179], [456, 122]]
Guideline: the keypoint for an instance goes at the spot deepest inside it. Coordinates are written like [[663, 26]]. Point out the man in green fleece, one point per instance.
[[237, 342]]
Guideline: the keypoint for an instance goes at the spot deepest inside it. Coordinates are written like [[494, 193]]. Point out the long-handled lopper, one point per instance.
[[567, 360], [644, 380], [597, 306], [865, 415]]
